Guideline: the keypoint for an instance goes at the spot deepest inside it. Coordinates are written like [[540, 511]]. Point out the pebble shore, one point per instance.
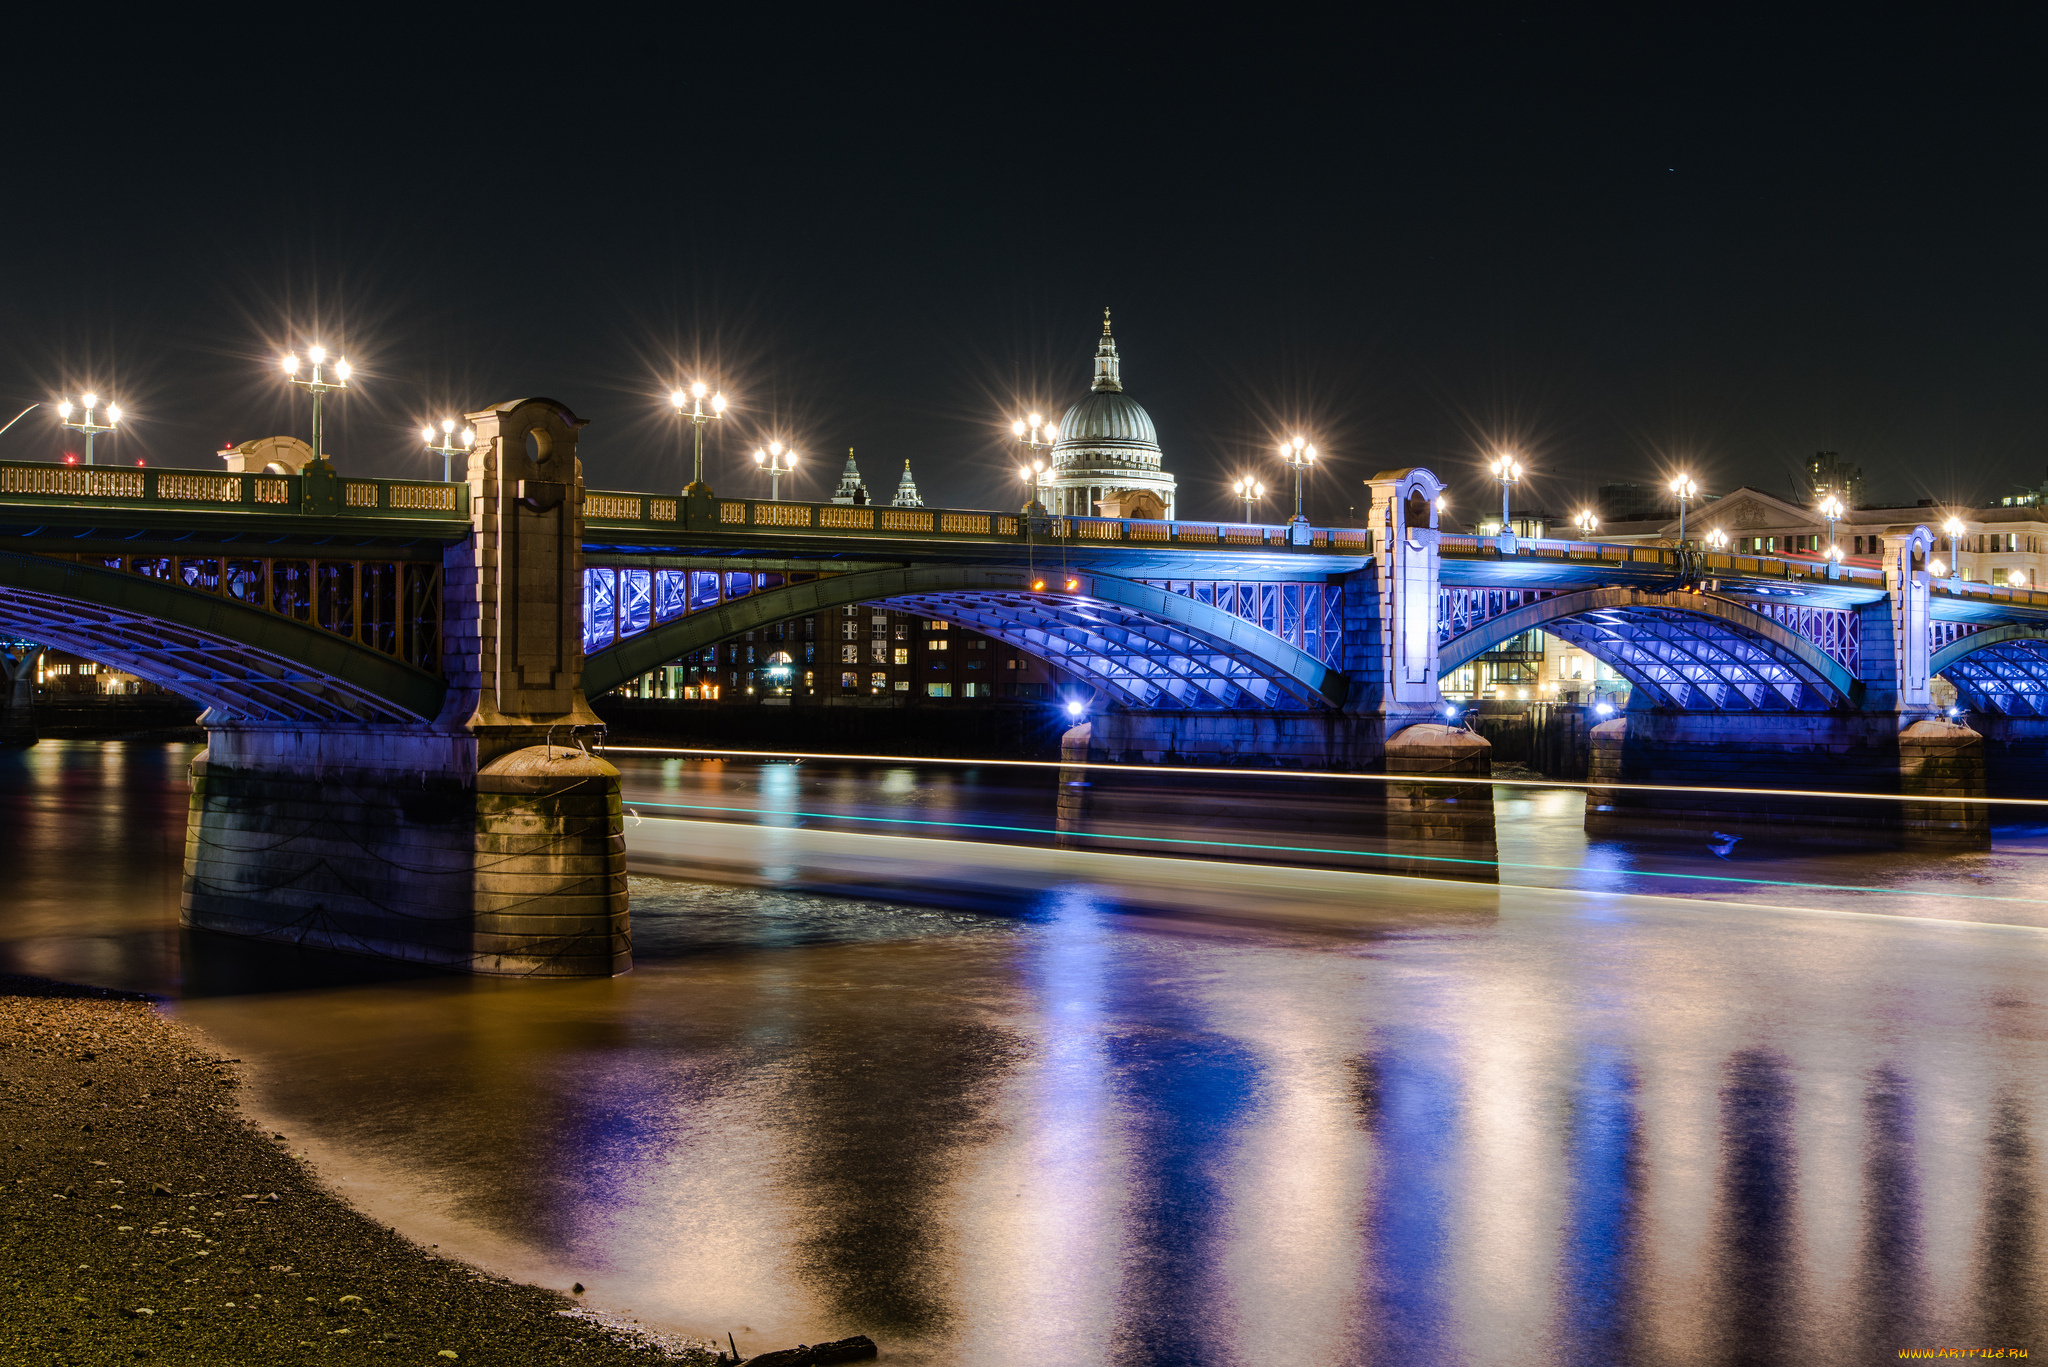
[[143, 1219]]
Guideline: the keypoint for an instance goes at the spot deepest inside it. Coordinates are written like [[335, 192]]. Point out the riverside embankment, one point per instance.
[[142, 1217]]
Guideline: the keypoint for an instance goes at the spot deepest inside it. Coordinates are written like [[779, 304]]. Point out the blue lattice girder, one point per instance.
[[2002, 670], [238, 660], [1692, 651], [1144, 644]]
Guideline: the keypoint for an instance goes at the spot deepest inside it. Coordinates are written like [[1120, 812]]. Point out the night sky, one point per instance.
[[1719, 245]]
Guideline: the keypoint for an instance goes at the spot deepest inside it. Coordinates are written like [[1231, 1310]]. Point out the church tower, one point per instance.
[[849, 482], [906, 491]]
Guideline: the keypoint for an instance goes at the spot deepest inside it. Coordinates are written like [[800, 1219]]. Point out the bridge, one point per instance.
[[396, 672]]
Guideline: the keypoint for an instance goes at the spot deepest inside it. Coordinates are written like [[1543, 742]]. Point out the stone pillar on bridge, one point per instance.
[[1390, 663], [487, 840]]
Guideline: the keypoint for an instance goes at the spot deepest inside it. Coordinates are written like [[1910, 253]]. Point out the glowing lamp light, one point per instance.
[[1937, 568], [680, 400], [342, 370], [70, 459], [1073, 584], [64, 409], [447, 424], [1017, 427], [1954, 526], [91, 401], [316, 354], [1604, 709], [427, 435], [697, 390], [1038, 586], [468, 436], [718, 403], [2016, 579], [1075, 709]]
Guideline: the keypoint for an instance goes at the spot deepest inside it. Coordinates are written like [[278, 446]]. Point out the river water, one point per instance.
[[888, 1065]]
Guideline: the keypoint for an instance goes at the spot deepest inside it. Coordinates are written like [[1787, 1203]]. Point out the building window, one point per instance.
[[849, 680], [810, 680], [850, 630], [810, 654], [849, 655], [879, 682], [881, 653], [940, 645], [939, 626], [902, 655], [939, 690], [978, 645], [903, 685], [972, 690]]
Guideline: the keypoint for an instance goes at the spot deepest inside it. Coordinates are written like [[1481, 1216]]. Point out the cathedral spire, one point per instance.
[[906, 490], [851, 489], [1108, 369]]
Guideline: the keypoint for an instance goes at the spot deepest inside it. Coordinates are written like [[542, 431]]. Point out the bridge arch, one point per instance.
[[1142, 645], [1691, 651], [2001, 670], [240, 661]]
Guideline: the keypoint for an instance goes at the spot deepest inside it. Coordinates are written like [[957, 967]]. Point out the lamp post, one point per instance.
[[778, 461], [1954, 528], [448, 450], [1587, 523], [1508, 471], [1683, 489], [1035, 434], [315, 385], [1250, 490], [1301, 457], [689, 405], [1831, 509], [1717, 540], [1033, 475], [85, 424]]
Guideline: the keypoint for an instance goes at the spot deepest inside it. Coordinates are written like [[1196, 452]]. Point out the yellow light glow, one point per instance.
[[1018, 427], [760, 456], [699, 389], [447, 424], [774, 448], [316, 354], [91, 401], [1937, 568], [341, 370], [468, 436], [428, 433], [1954, 526], [290, 364], [679, 399], [113, 412], [64, 409], [718, 403]]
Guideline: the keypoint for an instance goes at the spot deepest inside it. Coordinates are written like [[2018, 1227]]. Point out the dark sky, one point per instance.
[[1719, 243]]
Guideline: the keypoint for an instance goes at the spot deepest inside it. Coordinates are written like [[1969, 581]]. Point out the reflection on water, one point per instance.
[[1458, 1124]]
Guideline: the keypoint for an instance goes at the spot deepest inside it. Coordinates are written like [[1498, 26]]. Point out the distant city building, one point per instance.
[[906, 491], [865, 655], [1108, 452], [850, 483], [1827, 473]]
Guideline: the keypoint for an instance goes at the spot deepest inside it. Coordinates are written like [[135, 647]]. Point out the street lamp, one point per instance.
[[1954, 528], [1249, 490], [1717, 540], [689, 405], [1586, 523], [448, 450], [1683, 489], [315, 385], [85, 424], [1300, 456], [778, 461], [1507, 470], [1033, 440], [1831, 509]]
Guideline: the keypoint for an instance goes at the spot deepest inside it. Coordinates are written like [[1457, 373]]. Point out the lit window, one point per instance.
[[941, 626], [973, 690], [903, 633], [879, 682], [902, 655], [940, 645], [903, 685], [850, 630], [849, 681], [939, 690], [849, 655], [881, 653]]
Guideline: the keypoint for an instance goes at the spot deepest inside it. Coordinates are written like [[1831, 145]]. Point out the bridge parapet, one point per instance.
[[613, 510], [318, 492]]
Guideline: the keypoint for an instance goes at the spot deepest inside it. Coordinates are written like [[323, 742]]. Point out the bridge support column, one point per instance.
[[1441, 830], [485, 840]]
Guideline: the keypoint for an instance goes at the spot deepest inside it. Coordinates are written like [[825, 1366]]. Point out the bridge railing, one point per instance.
[[609, 509], [1705, 562], [118, 486]]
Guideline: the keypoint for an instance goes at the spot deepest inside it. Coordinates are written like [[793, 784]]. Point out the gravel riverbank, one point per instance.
[[142, 1218]]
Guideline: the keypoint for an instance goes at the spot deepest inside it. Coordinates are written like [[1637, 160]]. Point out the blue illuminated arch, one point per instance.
[[1145, 646], [2002, 670], [1691, 651], [240, 661]]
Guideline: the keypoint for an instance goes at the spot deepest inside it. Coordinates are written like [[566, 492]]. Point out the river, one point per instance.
[[883, 1067]]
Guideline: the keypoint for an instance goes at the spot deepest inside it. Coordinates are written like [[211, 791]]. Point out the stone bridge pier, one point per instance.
[[485, 839]]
